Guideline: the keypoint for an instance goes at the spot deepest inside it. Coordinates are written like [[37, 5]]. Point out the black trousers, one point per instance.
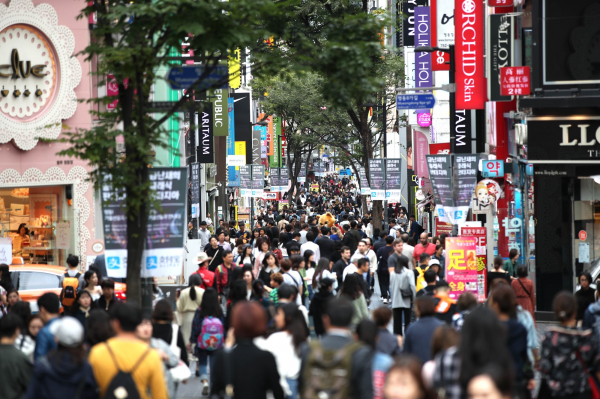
[[398, 313], [384, 283]]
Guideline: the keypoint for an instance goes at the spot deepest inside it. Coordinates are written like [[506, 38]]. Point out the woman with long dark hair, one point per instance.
[[5, 280], [354, 292], [270, 265], [163, 328], [285, 345], [189, 300], [323, 271], [262, 249], [210, 310], [246, 258], [65, 372], [91, 279]]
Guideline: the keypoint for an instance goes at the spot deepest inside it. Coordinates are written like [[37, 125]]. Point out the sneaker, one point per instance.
[[205, 388]]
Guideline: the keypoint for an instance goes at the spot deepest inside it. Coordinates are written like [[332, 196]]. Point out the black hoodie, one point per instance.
[[317, 309]]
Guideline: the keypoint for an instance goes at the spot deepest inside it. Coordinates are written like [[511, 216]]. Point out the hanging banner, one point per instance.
[[442, 32], [163, 250], [408, 21], [220, 115], [195, 189], [440, 174], [469, 54], [246, 181], [461, 265], [269, 142], [258, 180], [275, 157], [283, 154], [233, 174], [284, 179], [377, 175], [364, 183], [256, 145], [462, 131], [500, 53], [206, 152], [464, 178], [480, 235], [274, 175], [420, 151], [423, 74], [243, 128], [234, 62], [393, 177]]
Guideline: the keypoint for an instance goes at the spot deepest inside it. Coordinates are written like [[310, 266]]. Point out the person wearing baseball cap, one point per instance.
[[445, 307], [208, 277], [435, 265], [64, 373]]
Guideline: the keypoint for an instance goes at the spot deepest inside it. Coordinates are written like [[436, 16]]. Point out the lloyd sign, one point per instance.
[[564, 138], [469, 37]]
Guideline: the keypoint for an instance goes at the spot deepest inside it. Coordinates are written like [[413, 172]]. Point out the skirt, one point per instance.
[[186, 325]]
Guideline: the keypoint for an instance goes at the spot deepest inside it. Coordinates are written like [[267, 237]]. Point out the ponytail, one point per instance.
[[195, 281]]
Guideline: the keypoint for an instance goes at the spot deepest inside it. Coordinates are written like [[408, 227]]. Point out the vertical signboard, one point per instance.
[[284, 179], [393, 177], [364, 183], [269, 143], [469, 59], [423, 74], [274, 175], [258, 181], [440, 174], [500, 53], [461, 265], [243, 128], [220, 114], [377, 175], [256, 145], [233, 174], [420, 151], [408, 21], [234, 62], [442, 32], [275, 157], [195, 189], [206, 151], [464, 179], [246, 181], [462, 131], [480, 235], [163, 249]]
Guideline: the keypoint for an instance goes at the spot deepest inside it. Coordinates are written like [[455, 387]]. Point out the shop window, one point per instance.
[[38, 281]]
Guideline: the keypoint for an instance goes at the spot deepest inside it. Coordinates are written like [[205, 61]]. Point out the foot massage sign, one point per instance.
[[461, 265]]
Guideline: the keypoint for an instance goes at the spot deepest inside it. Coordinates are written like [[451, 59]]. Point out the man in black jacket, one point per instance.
[[336, 321], [349, 239], [325, 243], [340, 265]]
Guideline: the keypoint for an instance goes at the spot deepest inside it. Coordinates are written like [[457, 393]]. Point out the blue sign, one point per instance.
[[492, 168], [415, 101], [346, 172], [113, 262], [183, 77], [529, 169], [151, 262]]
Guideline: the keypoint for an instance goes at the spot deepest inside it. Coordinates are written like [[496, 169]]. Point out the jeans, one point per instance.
[[311, 293], [398, 313], [293, 384], [203, 362]]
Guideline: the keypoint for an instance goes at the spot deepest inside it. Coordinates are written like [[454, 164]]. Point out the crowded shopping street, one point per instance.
[[300, 199]]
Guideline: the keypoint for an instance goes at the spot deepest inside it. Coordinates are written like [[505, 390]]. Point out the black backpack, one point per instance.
[[122, 385]]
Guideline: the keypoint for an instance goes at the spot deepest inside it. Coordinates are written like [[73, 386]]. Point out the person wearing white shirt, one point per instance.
[[292, 278], [408, 251], [203, 234], [303, 233], [364, 250], [310, 244], [352, 267]]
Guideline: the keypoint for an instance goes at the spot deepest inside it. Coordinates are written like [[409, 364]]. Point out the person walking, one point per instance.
[[91, 284], [383, 273], [402, 287], [164, 328], [189, 300], [585, 295], [49, 306], [524, 291], [510, 265], [207, 326], [418, 337], [497, 273], [16, 369], [353, 291], [64, 373]]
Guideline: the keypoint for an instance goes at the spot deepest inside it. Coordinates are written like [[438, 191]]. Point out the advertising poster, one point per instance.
[[284, 178], [163, 252], [461, 265], [233, 173], [275, 158], [257, 145], [274, 175], [442, 32], [302, 173], [440, 174], [246, 181], [393, 177], [480, 235], [364, 183], [258, 180], [464, 179], [377, 174], [195, 189], [220, 106]]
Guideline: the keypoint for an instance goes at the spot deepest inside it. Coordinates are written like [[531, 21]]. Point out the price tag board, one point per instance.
[[515, 81], [492, 168]]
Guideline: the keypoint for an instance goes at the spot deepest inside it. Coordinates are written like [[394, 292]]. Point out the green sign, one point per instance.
[[218, 97], [274, 160]]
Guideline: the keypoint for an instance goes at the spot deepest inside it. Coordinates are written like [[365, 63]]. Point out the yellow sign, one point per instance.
[[235, 77], [240, 149], [457, 260]]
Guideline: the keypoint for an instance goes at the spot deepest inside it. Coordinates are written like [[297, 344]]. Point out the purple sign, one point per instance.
[[423, 74], [420, 152], [424, 119]]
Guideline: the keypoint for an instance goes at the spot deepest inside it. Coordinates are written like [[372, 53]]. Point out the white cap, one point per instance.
[[434, 262], [68, 331]]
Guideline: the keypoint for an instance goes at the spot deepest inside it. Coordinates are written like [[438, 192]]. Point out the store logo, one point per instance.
[[151, 262], [18, 71], [113, 262], [583, 137], [468, 6]]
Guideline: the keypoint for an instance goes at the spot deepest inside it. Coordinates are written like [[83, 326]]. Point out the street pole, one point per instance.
[[452, 80], [385, 204]]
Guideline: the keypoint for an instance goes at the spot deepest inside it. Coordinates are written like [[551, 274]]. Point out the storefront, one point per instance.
[[41, 81], [565, 152]]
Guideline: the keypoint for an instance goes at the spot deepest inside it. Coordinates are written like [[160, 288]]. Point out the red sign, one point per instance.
[[480, 234], [440, 61], [471, 90], [583, 235], [461, 265], [500, 3], [442, 148], [515, 81], [442, 227]]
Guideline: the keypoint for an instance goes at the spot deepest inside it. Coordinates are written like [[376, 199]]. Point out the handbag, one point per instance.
[[181, 372], [405, 290], [591, 380], [525, 289]]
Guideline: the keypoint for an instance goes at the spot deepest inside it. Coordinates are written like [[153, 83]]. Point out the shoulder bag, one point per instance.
[[181, 372]]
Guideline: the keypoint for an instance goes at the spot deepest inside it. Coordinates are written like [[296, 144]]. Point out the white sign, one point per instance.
[[236, 160], [6, 251], [445, 23], [584, 252], [63, 235]]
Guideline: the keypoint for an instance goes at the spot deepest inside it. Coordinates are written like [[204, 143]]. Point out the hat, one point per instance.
[[201, 258], [434, 262], [68, 331], [442, 283]]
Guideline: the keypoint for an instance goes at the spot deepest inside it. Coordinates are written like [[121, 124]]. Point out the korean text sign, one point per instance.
[[461, 265], [515, 81]]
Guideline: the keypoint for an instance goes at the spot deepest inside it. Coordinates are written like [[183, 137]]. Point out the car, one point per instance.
[[34, 280]]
